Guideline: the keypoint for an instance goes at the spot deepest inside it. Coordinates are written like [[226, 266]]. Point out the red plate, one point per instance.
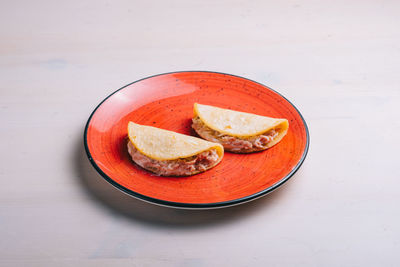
[[166, 101]]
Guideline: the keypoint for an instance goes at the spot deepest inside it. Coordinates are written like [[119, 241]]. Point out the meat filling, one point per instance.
[[234, 144], [178, 167]]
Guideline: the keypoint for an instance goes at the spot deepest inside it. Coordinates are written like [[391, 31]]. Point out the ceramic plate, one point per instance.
[[166, 101]]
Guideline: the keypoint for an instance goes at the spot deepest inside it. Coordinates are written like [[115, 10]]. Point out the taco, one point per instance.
[[168, 153], [236, 131]]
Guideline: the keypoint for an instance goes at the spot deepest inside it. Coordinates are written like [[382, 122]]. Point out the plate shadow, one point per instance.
[[119, 203]]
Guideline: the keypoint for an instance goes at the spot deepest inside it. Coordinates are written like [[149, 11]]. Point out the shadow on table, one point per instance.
[[119, 203]]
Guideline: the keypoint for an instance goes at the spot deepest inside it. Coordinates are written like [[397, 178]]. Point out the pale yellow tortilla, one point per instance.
[[161, 144], [239, 124]]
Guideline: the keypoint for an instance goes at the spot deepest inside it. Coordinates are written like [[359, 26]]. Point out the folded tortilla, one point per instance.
[[238, 131], [169, 153]]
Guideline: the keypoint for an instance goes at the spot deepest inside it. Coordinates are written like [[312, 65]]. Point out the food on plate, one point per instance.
[[238, 132], [168, 153]]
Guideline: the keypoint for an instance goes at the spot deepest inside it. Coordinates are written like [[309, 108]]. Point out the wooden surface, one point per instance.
[[337, 61]]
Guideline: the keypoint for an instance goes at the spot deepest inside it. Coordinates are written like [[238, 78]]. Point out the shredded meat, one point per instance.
[[234, 144], [178, 167]]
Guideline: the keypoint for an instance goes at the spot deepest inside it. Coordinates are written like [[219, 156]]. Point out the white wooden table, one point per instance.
[[337, 61]]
